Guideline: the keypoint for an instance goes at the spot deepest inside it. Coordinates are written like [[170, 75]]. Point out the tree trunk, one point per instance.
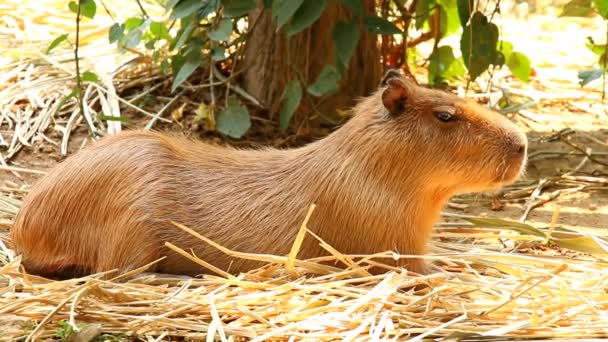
[[271, 59]]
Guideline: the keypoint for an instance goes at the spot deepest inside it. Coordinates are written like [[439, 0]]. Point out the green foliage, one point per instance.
[[449, 21], [443, 66], [113, 118], [326, 83], [62, 38], [65, 331], [112, 338], [465, 7], [159, 30], [234, 120], [380, 25], [601, 6], [423, 11], [577, 8], [116, 32], [222, 32], [237, 8], [584, 8], [185, 8], [355, 6], [346, 38], [209, 30], [89, 76], [590, 75], [562, 237], [88, 8], [289, 103], [305, 16], [183, 67], [283, 10], [478, 44], [519, 64]]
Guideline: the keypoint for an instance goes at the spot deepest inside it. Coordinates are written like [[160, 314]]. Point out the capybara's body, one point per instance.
[[379, 183]]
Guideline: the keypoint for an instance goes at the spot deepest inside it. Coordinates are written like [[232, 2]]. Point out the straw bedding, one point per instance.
[[478, 292]]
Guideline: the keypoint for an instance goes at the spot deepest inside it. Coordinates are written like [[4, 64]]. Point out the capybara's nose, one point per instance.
[[518, 145], [521, 148]]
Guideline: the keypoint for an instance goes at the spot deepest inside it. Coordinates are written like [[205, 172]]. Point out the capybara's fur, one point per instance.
[[379, 183]]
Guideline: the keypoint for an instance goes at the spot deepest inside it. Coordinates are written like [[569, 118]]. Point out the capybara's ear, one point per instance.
[[395, 96], [391, 73]]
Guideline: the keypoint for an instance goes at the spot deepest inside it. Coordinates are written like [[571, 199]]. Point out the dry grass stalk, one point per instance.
[[477, 293], [34, 85]]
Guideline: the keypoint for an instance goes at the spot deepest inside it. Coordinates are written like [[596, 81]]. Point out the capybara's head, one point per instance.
[[459, 144]]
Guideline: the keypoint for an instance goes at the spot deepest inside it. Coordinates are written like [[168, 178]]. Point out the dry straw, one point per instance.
[[476, 293]]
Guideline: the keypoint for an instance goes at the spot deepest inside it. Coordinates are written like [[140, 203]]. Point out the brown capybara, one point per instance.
[[379, 183]]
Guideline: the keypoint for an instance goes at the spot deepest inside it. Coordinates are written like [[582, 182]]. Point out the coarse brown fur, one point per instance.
[[379, 183]]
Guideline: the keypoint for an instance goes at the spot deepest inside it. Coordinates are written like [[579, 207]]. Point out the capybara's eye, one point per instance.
[[444, 116]]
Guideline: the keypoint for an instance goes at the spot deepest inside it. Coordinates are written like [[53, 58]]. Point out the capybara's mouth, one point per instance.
[[512, 172]]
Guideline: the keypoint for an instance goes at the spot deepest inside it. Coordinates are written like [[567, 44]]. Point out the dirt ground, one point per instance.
[[561, 104]]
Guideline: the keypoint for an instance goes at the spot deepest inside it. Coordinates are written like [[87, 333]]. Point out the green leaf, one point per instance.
[[601, 6], [73, 6], [133, 23], [234, 120], [355, 6], [112, 118], [164, 66], [87, 8], [209, 6], [150, 44], [89, 76], [305, 16], [133, 39], [188, 25], [577, 8], [218, 53], [285, 10], [519, 64], [587, 76], [346, 38], [62, 38], [465, 7], [185, 8], [424, 9], [116, 32], [189, 65], [326, 83], [380, 25], [449, 23], [237, 8], [170, 4], [290, 101], [597, 49], [586, 244], [505, 48], [159, 30], [478, 44], [222, 32], [443, 66]]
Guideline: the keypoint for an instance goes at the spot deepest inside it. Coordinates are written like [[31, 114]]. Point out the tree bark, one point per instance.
[[271, 59]]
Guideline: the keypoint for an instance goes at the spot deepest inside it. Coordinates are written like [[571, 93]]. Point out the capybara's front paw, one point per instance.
[[419, 266]]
